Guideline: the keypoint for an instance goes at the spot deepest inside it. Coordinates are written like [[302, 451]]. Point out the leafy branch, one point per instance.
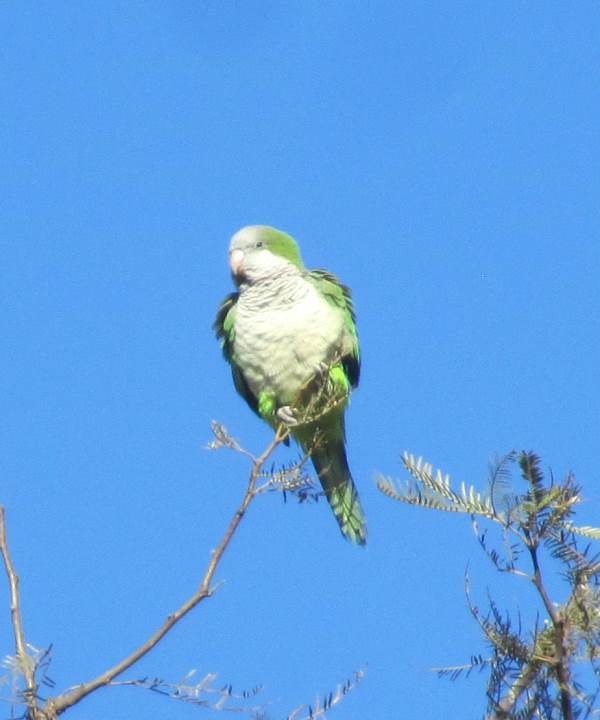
[[201, 693], [329, 700], [531, 673], [434, 491]]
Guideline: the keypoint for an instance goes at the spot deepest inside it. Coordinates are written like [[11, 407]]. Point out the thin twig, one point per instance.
[[23, 658], [56, 706]]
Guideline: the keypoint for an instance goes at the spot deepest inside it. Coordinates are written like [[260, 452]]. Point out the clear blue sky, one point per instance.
[[443, 160]]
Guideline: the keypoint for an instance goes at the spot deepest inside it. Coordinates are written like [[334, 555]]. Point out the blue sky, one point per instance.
[[443, 160]]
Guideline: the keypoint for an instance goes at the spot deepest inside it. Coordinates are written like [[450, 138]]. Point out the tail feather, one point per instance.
[[332, 468]]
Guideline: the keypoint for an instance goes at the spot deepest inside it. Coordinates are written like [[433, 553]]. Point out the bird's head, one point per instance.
[[257, 252]]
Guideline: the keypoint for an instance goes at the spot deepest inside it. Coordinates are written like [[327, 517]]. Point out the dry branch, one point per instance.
[[23, 659], [55, 706]]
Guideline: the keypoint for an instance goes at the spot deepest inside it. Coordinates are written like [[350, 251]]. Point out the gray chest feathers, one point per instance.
[[282, 335]]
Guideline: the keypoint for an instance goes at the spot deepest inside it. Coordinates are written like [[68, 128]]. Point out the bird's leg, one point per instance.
[[288, 415]]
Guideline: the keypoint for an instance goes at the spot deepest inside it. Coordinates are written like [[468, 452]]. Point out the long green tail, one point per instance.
[[332, 468]]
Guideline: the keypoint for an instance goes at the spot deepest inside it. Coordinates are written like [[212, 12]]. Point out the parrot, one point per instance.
[[289, 335]]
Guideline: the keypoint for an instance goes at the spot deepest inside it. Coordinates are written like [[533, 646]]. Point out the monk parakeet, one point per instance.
[[290, 338]]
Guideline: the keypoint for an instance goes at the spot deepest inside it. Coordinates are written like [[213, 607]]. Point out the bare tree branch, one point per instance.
[[56, 706], [25, 664]]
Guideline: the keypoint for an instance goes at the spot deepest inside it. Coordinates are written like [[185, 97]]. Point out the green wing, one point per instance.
[[339, 295], [224, 327]]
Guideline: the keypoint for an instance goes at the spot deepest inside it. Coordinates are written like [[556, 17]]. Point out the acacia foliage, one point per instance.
[[550, 669]]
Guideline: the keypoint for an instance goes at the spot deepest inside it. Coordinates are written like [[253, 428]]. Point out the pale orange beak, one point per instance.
[[236, 258]]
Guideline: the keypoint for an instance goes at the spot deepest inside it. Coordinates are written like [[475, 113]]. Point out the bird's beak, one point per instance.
[[236, 258]]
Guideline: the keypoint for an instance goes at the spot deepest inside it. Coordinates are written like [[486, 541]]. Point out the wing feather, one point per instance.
[[224, 327], [340, 295]]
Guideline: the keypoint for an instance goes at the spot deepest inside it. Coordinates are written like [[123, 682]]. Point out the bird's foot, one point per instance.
[[288, 415]]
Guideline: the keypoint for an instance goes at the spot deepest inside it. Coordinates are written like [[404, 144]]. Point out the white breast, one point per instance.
[[279, 347]]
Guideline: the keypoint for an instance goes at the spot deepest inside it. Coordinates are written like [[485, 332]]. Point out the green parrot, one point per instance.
[[290, 337]]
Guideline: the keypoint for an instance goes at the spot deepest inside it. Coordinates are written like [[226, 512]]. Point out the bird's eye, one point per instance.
[[260, 243]]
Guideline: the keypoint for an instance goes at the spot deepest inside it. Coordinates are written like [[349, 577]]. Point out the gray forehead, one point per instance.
[[246, 237]]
